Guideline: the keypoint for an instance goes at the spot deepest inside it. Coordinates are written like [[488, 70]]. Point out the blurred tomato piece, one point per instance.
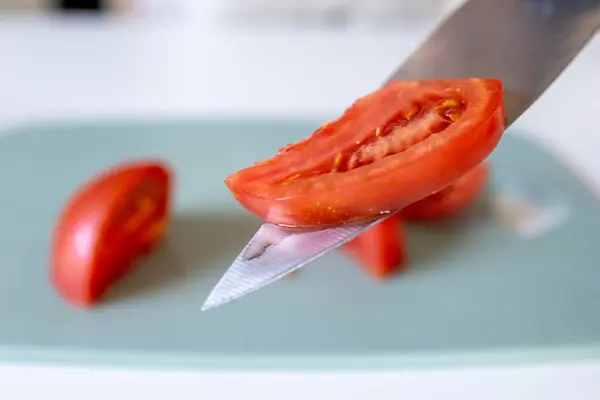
[[450, 201], [107, 226], [381, 250]]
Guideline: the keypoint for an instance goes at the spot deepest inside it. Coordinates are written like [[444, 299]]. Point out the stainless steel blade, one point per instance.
[[273, 253], [525, 43]]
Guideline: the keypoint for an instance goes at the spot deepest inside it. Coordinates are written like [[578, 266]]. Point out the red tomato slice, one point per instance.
[[450, 201], [381, 250], [107, 226], [391, 148]]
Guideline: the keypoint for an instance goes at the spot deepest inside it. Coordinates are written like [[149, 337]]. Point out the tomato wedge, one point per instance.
[[391, 148], [450, 201], [107, 226], [381, 250]]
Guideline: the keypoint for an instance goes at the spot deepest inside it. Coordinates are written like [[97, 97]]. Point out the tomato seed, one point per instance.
[[290, 179]]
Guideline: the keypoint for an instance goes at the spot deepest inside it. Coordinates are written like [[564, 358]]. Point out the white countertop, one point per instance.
[[90, 70]]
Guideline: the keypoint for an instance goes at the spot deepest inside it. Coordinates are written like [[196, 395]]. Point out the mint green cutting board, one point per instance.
[[475, 292]]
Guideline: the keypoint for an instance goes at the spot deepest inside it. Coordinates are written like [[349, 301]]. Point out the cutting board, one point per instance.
[[477, 290]]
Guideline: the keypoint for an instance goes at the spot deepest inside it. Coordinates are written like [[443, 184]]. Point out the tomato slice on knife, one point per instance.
[[391, 148], [381, 250], [450, 201], [107, 226]]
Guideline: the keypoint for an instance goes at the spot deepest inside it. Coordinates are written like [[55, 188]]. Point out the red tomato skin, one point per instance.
[[451, 201], [83, 267], [369, 191], [381, 250]]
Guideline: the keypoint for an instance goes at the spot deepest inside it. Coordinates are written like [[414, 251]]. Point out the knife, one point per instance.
[[524, 43]]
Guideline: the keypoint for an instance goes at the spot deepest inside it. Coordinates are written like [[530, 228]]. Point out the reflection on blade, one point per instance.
[[273, 253]]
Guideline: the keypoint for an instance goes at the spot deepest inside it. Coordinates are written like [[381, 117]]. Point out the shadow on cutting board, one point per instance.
[[199, 245]]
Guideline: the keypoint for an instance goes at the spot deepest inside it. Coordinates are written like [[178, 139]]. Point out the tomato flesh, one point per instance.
[[381, 250], [390, 149], [450, 201], [107, 226]]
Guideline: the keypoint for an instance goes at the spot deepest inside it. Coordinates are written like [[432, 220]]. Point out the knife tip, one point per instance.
[[208, 304], [214, 301], [206, 307]]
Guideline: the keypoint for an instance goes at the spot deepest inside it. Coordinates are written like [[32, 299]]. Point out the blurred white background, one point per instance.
[[187, 58], [324, 12]]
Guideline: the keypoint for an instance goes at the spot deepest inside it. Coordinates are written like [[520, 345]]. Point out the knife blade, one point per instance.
[[525, 43]]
